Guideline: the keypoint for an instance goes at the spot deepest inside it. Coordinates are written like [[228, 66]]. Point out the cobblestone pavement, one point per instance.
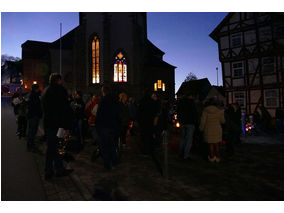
[[253, 173]]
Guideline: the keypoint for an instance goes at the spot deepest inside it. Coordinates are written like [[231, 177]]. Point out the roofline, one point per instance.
[[32, 41], [214, 32], [66, 34]]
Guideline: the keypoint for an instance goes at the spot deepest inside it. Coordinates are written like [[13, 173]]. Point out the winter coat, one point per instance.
[[91, 111], [211, 120], [108, 113], [147, 111], [57, 112], [186, 112], [78, 107], [34, 105], [124, 115]]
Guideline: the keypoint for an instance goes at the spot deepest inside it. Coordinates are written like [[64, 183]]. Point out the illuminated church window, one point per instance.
[[95, 61], [120, 69], [159, 85], [155, 87]]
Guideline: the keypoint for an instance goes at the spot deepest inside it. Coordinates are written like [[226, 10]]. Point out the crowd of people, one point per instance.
[[111, 116]]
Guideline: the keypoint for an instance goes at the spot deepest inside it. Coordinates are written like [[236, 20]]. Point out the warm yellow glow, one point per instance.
[[164, 87], [26, 86], [155, 86], [177, 124], [35, 82], [95, 61], [120, 55], [159, 84]]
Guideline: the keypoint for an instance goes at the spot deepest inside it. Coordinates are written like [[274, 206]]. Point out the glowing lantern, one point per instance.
[[177, 124], [35, 82]]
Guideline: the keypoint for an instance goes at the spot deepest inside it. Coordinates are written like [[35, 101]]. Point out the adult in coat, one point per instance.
[[211, 120], [57, 113]]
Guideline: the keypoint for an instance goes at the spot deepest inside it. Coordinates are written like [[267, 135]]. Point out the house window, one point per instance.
[[120, 68], [238, 69], [240, 98], [267, 65], [236, 40], [271, 97], [95, 61]]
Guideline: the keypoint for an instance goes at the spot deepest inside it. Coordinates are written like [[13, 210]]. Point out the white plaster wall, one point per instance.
[[270, 79], [236, 50], [238, 82], [228, 81], [227, 70], [250, 37], [254, 96], [224, 42], [252, 65], [235, 18]]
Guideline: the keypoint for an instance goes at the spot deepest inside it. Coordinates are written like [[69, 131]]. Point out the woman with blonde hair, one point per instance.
[[211, 120]]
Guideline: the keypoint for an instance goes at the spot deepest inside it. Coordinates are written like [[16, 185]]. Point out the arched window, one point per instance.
[[95, 61], [120, 68]]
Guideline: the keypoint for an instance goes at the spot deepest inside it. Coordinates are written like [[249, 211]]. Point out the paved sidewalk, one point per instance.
[[253, 173]]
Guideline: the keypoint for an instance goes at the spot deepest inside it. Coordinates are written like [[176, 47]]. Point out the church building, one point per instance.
[[106, 48]]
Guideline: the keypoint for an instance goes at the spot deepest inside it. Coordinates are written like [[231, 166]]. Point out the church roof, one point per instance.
[[30, 43], [66, 40], [153, 49], [157, 62]]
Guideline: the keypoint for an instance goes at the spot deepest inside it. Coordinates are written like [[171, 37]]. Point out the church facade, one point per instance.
[[106, 48]]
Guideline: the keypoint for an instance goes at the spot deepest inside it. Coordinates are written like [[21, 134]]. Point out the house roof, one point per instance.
[[199, 87], [220, 89], [214, 33]]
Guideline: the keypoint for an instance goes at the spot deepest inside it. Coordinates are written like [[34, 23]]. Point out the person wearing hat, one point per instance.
[[34, 114]]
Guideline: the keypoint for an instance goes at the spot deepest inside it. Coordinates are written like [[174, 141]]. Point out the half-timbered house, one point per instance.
[[251, 50]]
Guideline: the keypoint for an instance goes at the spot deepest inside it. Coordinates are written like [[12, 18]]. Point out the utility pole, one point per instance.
[[217, 76], [60, 51]]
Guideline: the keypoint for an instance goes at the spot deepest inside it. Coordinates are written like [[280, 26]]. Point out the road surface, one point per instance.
[[20, 180]]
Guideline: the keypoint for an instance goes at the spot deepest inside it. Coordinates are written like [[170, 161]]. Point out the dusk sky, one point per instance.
[[184, 37]]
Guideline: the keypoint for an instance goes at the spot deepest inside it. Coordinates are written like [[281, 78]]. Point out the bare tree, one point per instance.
[[190, 77]]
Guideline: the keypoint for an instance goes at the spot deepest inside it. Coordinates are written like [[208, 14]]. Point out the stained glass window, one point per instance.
[[159, 84], [120, 69], [95, 61]]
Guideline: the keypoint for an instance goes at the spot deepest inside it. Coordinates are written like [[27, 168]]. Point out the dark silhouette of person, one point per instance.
[[57, 113]]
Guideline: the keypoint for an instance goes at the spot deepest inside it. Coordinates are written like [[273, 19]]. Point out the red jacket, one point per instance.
[[88, 110]]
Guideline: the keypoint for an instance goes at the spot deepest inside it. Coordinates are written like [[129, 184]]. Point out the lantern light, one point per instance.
[[177, 124], [35, 82]]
